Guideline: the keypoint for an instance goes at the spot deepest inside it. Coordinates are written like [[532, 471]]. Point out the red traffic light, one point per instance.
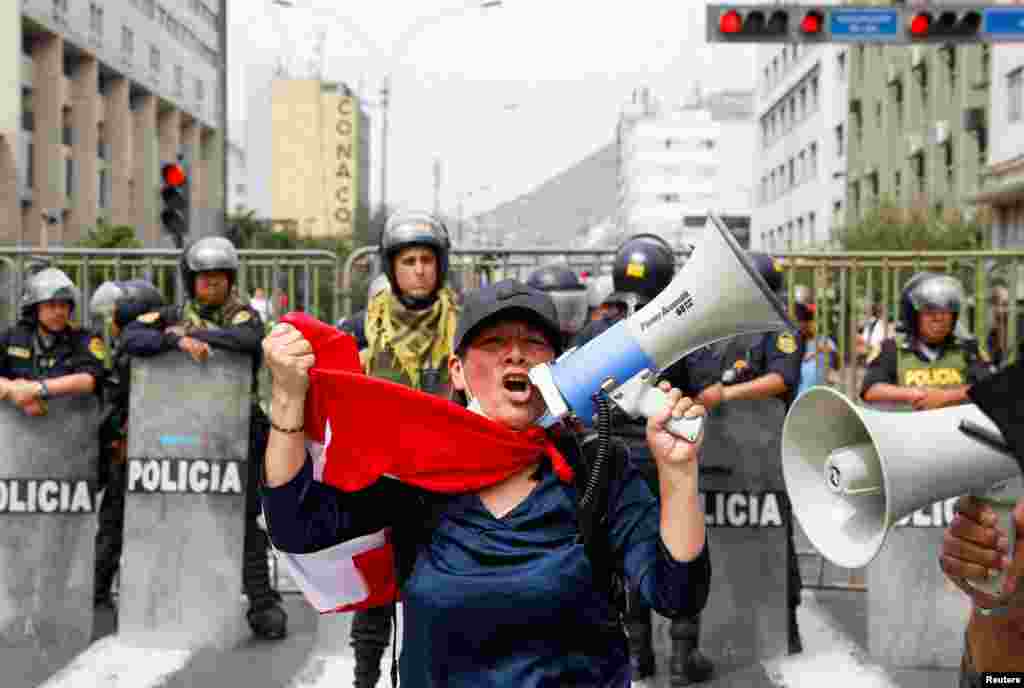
[[812, 23], [173, 175], [920, 24], [730, 22]]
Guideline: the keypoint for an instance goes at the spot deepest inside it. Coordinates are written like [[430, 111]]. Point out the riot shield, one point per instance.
[[181, 580], [47, 511]]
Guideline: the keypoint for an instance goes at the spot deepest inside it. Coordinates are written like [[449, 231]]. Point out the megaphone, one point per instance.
[[852, 472], [718, 294]]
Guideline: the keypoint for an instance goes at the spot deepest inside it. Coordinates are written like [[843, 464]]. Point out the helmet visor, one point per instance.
[[937, 294]]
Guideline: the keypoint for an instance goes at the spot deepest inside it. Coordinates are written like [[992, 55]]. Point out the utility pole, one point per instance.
[[437, 186], [385, 93]]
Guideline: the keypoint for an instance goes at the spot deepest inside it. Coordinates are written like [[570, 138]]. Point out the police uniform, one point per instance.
[[903, 361], [29, 356], [120, 303], [355, 326]]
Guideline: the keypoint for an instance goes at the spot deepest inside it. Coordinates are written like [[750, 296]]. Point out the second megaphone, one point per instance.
[[718, 294], [852, 472]]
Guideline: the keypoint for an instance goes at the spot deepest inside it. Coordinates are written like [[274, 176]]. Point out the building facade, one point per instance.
[[675, 163], [238, 174], [1003, 178], [917, 126], [319, 166], [800, 164], [96, 95]]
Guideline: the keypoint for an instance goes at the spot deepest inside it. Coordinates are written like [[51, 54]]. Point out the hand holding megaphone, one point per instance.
[[978, 552]]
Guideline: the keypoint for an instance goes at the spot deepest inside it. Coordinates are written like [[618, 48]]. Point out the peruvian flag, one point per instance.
[[359, 429]]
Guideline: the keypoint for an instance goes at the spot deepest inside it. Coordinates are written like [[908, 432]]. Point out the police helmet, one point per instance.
[[414, 228], [769, 269], [46, 285], [568, 292], [598, 289], [930, 291], [104, 299], [643, 267], [206, 255]]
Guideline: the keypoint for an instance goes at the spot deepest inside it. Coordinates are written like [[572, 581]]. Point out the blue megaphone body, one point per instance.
[[718, 294]]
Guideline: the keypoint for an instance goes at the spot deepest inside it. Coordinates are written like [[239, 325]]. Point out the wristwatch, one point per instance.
[[44, 391]]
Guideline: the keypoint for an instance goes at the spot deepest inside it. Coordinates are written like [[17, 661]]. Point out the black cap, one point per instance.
[[508, 299]]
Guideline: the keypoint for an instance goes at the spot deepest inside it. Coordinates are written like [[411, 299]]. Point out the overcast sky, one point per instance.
[[506, 96]]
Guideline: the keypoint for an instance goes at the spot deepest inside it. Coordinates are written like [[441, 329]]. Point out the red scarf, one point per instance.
[[382, 428]]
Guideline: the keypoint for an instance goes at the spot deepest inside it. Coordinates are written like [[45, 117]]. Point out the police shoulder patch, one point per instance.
[[97, 348], [149, 318], [874, 353], [19, 352], [786, 343], [241, 317]]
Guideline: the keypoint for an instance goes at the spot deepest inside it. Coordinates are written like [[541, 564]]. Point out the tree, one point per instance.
[[888, 228], [105, 235]]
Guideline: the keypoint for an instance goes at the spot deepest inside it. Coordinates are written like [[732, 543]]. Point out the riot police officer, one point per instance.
[[118, 303], [215, 316], [569, 294], [409, 332], [44, 355], [929, 366], [356, 324], [763, 367], [643, 266]]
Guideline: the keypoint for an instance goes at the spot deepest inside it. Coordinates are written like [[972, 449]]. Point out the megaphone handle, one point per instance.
[[652, 401], [1003, 508]]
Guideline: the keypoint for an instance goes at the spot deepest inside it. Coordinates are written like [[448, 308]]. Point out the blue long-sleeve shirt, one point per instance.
[[505, 601]]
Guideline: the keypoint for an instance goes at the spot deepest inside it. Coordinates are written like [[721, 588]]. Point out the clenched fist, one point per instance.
[[288, 356]]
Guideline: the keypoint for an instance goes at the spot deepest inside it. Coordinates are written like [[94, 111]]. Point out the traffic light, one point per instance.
[[748, 25], [943, 26], [174, 194]]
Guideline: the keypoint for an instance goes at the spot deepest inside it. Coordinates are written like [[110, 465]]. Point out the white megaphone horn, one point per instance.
[[853, 472], [718, 294]]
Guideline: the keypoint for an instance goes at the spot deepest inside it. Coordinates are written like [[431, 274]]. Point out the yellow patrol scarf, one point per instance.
[[411, 335]]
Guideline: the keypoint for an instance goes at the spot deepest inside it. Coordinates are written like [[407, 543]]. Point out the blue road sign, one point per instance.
[[855, 24], [1003, 22]]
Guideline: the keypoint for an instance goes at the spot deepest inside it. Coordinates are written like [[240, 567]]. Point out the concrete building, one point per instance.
[[677, 162], [238, 174], [1003, 188], [915, 118], [95, 95], [319, 166], [800, 163]]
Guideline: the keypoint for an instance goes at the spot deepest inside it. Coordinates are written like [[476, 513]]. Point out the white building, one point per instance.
[[1004, 181], [238, 175], [800, 161], [676, 163]]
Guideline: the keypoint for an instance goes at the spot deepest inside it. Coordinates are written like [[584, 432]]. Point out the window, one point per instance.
[[792, 174], [919, 168], [154, 58], [922, 81], [814, 93], [803, 102], [814, 160], [199, 90], [669, 198], [897, 97], [947, 149], [841, 65], [96, 19], [800, 231], [127, 41], [1014, 93], [69, 177], [764, 131], [878, 114], [179, 79], [810, 228], [951, 68], [30, 171], [840, 141], [802, 167], [104, 188], [873, 181], [897, 184]]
